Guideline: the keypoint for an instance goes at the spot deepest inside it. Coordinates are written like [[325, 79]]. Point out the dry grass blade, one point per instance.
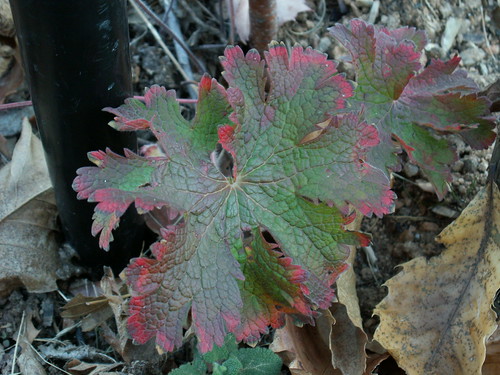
[[437, 315]]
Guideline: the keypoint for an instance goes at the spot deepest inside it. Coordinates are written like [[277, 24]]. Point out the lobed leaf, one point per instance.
[[406, 102], [296, 168], [253, 361]]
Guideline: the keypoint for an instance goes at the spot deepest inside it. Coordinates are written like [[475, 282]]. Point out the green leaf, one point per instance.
[[409, 103], [253, 361], [221, 353], [197, 367], [298, 165], [219, 370]]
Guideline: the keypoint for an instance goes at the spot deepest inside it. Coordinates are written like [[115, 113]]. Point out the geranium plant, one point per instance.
[[266, 179]]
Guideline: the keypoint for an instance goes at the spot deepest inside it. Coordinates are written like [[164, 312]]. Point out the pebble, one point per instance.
[[476, 38], [425, 186], [472, 55], [429, 226], [457, 166], [471, 164], [444, 211], [483, 166], [451, 30], [324, 44], [483, 69], [411, 170], [462, 189]]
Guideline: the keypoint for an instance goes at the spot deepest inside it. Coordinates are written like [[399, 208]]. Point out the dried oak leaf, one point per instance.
[[437, 315], [334, 346], [277, 184], [405, 101]]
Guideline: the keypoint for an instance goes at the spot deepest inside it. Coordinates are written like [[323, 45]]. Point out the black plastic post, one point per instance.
[[76, 58]]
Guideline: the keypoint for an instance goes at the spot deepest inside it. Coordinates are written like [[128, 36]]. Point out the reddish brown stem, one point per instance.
[[15, 105], [263, 23], [28, 103]]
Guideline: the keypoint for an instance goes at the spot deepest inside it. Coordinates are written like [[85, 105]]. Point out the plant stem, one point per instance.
[[263, 23], [15, 105]]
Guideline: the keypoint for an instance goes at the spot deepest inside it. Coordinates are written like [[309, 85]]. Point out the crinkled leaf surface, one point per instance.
[[285, 181], [253, 361], [406, 102]]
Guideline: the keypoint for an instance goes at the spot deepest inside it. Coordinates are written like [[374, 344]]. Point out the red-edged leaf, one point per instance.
[[296, 167], [406, 101]]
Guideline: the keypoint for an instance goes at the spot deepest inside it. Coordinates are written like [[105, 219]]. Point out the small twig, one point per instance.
[[14, 358], [66, 330], [204, 8], [66, 299], [202, 23], [431, 9], [170, 7], [354, 8], [233, 25], [488, 45], [404, 178], [15, 105], [160, 23], [182, 57], [49, 363], [157, 36], [209, 46]]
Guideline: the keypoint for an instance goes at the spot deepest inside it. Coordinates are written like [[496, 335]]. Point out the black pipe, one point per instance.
[[76, 58]]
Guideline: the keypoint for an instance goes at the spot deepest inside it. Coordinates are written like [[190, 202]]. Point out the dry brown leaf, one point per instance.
[[28, 246], [28, 361], [373, 360], [6, 20], [346, 284], [305, 350], [437, 314], [336, 345], [77, 367], [347, 343], [348, 340], [491, 365], [94, 310]]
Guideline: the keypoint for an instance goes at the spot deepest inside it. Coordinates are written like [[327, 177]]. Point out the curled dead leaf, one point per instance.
[[305, 350], [28, 230], [491, 365], [437, 315]]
